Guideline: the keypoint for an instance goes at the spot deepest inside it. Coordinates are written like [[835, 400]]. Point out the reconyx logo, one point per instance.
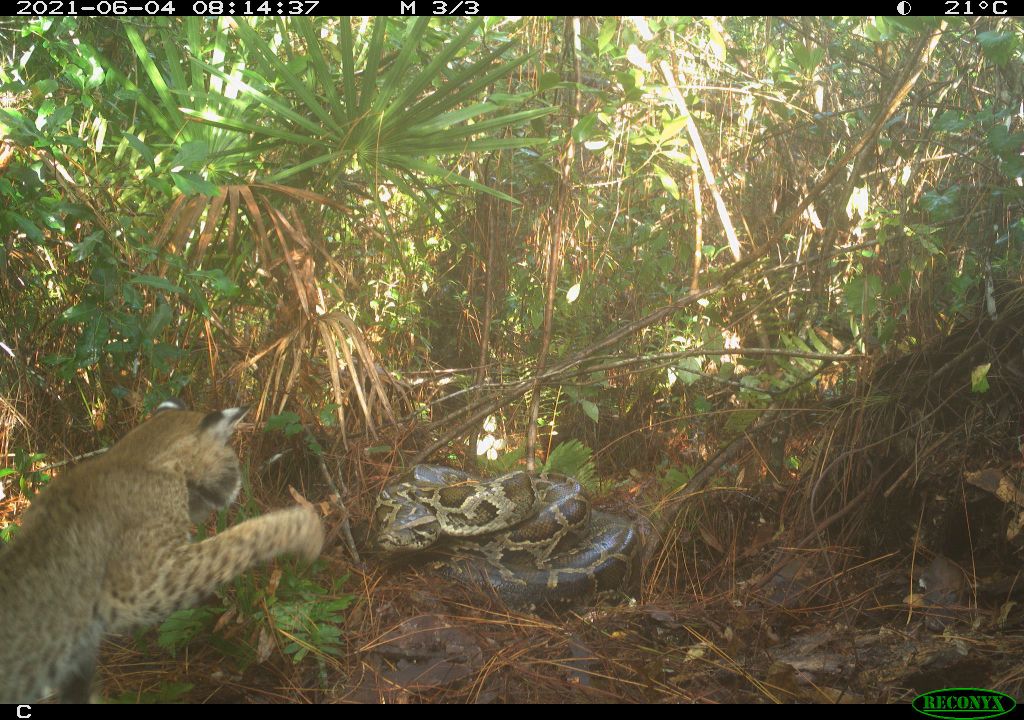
[[961, 703]]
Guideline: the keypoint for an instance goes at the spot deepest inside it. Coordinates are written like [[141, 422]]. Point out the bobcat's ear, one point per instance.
[[222, 422], [172, 404]]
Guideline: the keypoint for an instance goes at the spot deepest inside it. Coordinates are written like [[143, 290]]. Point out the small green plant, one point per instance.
[[305, 614], [182, 627], [288, 423], [164, 693], [7, 532], [573, 458], [29, 480], [676, 477], [502, 464], [308, 615]]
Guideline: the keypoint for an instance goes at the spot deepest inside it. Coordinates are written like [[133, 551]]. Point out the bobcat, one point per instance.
[[105, 549]]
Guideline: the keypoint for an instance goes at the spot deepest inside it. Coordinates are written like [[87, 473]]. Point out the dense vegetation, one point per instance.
[[641, 251]]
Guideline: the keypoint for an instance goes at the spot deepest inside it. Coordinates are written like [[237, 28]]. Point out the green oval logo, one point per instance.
[[960, 703]]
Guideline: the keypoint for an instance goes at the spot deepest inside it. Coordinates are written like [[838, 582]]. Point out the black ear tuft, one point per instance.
[[172, 404], [223, 422]]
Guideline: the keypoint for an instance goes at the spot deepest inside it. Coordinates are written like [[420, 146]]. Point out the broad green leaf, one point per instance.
[[604, 37], [84, 249], [687, 370], [287, 422], [979, 378], [672, 128], [807, 57], [941, 205], [160, 319], [191, 155], [142, 149], [585, 127], [548, 80], [667, 182], [94, 337], [157, 283], [60, 116], [191, 185], [718, 46], [950, 121], [999, 47], [1003, 142], [862, 293], [30, 229]]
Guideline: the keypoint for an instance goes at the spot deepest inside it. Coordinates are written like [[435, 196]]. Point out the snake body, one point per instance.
[[531, 537]]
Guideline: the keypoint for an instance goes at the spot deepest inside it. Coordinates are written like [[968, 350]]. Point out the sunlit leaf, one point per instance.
[[979, 378]]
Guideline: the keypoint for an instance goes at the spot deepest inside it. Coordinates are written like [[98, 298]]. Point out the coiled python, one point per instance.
[[532, 537]]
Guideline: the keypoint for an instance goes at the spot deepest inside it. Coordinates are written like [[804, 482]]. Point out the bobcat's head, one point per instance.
[[192, 445]]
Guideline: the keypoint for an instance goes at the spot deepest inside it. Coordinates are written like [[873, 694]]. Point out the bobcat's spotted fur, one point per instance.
[[105, 549]]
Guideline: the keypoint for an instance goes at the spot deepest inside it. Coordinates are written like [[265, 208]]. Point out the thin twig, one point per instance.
[[346, 528]]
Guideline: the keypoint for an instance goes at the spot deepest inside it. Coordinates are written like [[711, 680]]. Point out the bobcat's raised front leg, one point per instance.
[[185, 574]]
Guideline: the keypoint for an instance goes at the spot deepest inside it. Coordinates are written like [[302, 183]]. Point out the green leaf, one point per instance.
[[142, 149], [190, 185], [675, 478], [84, 249], [667, 182], [941, 206], [979, 378], [572, 458], [286, 422], [261, 52], [46, 86], [862, 294], [92, 341], [30, 229], [999, 47], [160, 319], [672, 128], [60, 116], [452, 176], [807, 57], [590, 409], [78, 313], [548, 80], [218, 281], [455, 117], [702, 406], [950, 121], [181, 627], [1003, 142], [169, 119], [687, 370], [158, 283], [585, 127], [604, 37], [192, 155], [718, 46]]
